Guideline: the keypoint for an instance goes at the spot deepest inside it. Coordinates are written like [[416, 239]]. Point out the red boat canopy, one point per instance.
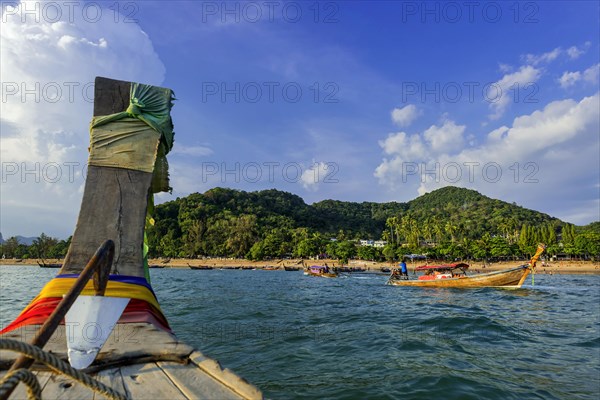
[[442, 267]]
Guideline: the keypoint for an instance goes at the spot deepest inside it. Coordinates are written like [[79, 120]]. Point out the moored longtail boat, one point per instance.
[[455, 275], [200, 267], [141, 358], [321, 271], [44, 264]]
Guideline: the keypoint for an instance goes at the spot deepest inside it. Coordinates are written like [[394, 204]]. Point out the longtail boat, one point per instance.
[[44, 264], [455, 275], [321, 271], [200, 267], [109, 338]]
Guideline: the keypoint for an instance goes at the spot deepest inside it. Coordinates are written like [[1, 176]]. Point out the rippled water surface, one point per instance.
[[353, 337]]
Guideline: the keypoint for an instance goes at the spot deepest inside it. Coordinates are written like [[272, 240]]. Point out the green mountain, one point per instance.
[[227, 222], [448, 223], [475, 213]]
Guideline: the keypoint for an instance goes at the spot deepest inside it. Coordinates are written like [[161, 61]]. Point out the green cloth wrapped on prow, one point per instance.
[[129, 142]]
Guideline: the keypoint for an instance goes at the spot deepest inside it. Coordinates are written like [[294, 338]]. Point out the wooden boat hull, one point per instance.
[[324, 275], [51, 265], [513, 277], [137, 359]]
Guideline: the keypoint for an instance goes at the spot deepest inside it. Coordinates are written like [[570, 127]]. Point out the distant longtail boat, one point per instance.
[[455, 276]]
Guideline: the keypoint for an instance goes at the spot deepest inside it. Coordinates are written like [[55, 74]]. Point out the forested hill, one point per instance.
[[226, 222], [475, 213], [450, 223]]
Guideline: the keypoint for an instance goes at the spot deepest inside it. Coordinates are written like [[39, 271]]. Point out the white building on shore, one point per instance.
[[372, 243]]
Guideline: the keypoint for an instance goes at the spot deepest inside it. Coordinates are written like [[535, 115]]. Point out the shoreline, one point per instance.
[[556, 267]]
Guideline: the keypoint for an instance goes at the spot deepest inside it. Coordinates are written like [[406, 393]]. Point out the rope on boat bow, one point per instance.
[[12, 379], [540, 249]]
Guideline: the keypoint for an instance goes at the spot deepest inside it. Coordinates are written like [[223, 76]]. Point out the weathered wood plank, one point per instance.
[[44, 378], [202, 378], [195, 383], [65, 388], [113, 378], [225, 376], [113, 207], [110, 96], [148, 381]]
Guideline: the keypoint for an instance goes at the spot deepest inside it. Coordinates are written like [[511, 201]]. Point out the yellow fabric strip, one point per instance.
[[60, 286], [125, 143]]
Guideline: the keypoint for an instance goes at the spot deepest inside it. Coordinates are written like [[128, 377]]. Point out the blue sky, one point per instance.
[[349, 100]]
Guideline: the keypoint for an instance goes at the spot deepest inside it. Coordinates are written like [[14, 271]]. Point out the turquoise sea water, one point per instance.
[[353, 337]]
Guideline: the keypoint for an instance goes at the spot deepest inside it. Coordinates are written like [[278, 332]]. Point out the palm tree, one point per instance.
[[437, 228], [451, 229], [427, 229], [505, 228], [391, 223], [414, 233], [405, 227]]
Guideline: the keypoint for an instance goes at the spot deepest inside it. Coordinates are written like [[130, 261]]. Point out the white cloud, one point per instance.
[[535, 59], [48, 69], [590, 76], [313, 176], [498, 134], [499, 94], [408, 150], [407, 146], [504, 68], [574, 52], [406, 115], [569, 79], [445, 138], [548, 154]]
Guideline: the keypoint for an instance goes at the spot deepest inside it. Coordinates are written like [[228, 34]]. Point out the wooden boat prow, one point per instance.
[[142, 358], [141, 361]]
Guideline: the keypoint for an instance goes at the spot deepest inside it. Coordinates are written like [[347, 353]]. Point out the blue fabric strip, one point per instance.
[[135, 280]]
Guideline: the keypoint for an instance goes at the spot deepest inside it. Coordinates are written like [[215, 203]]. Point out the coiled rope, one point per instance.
[[57, 365], [12, 379]]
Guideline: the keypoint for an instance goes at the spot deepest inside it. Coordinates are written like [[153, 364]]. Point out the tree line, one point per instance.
[[42, 247], [449, 223]]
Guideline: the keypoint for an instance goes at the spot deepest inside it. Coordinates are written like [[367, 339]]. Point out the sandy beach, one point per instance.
[[555, 267]]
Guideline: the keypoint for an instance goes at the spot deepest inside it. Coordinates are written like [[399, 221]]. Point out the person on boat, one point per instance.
[[403, 269]]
